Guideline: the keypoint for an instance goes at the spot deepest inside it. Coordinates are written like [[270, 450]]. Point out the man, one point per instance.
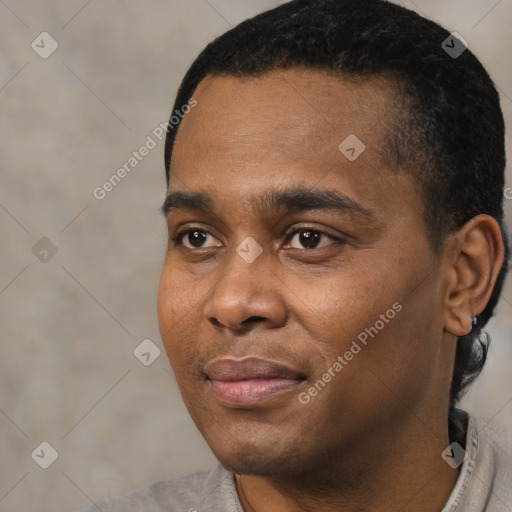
[[336, 245]]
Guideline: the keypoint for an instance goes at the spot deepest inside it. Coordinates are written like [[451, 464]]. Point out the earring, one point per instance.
[[474, 321]]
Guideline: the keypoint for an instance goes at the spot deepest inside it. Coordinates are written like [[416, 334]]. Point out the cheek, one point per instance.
[[374, 315], [177, 316], [166, 301], [179, 295], [337, 308]]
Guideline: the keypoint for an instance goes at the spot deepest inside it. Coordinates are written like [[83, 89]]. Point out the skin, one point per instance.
[[372, 438]]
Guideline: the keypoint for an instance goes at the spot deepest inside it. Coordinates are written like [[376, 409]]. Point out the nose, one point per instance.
[[247, 296]]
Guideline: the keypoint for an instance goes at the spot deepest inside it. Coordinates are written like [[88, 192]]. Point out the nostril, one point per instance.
[[215, 322], [251, 323], [244, 325], [255, 319]]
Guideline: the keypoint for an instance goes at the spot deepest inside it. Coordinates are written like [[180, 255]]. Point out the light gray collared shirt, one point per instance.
[[484, 484]]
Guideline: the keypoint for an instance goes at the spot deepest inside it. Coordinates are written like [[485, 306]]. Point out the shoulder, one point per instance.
[[484, 483], [486, 472], [188, 493], [495, 447]]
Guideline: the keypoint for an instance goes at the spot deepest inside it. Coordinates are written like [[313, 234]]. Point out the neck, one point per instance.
[[389, 472]]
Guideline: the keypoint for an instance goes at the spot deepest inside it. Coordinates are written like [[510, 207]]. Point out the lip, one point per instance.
[[250, 381]]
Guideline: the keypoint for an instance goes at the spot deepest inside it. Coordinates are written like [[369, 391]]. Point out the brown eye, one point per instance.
[[310, 239], [195, 239]]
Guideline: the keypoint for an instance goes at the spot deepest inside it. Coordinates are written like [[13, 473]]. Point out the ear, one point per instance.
[[473, 257]]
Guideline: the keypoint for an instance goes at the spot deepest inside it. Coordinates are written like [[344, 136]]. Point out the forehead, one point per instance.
[[298, 114], [289, 128]]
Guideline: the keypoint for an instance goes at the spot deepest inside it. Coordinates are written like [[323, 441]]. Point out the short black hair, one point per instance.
[[447, 127]]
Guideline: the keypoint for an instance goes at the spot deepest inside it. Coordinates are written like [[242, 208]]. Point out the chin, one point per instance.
[[268, 464], [267, 458]]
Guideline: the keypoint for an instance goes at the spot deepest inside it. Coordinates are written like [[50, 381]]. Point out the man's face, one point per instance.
[[249, 334]]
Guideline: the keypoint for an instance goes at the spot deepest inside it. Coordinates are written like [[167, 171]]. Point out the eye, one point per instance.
[[194, 238], [304, 238], [308, 238]]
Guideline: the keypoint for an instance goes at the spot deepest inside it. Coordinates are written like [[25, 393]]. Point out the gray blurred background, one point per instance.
[[79, 275]]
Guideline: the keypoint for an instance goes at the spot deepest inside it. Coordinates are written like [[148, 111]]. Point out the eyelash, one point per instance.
[[178, 239]]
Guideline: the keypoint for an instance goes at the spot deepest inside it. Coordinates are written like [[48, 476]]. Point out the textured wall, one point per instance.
[[71, 319]]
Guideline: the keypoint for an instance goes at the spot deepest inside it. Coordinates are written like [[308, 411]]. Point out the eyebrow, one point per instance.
[[295, 199]]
